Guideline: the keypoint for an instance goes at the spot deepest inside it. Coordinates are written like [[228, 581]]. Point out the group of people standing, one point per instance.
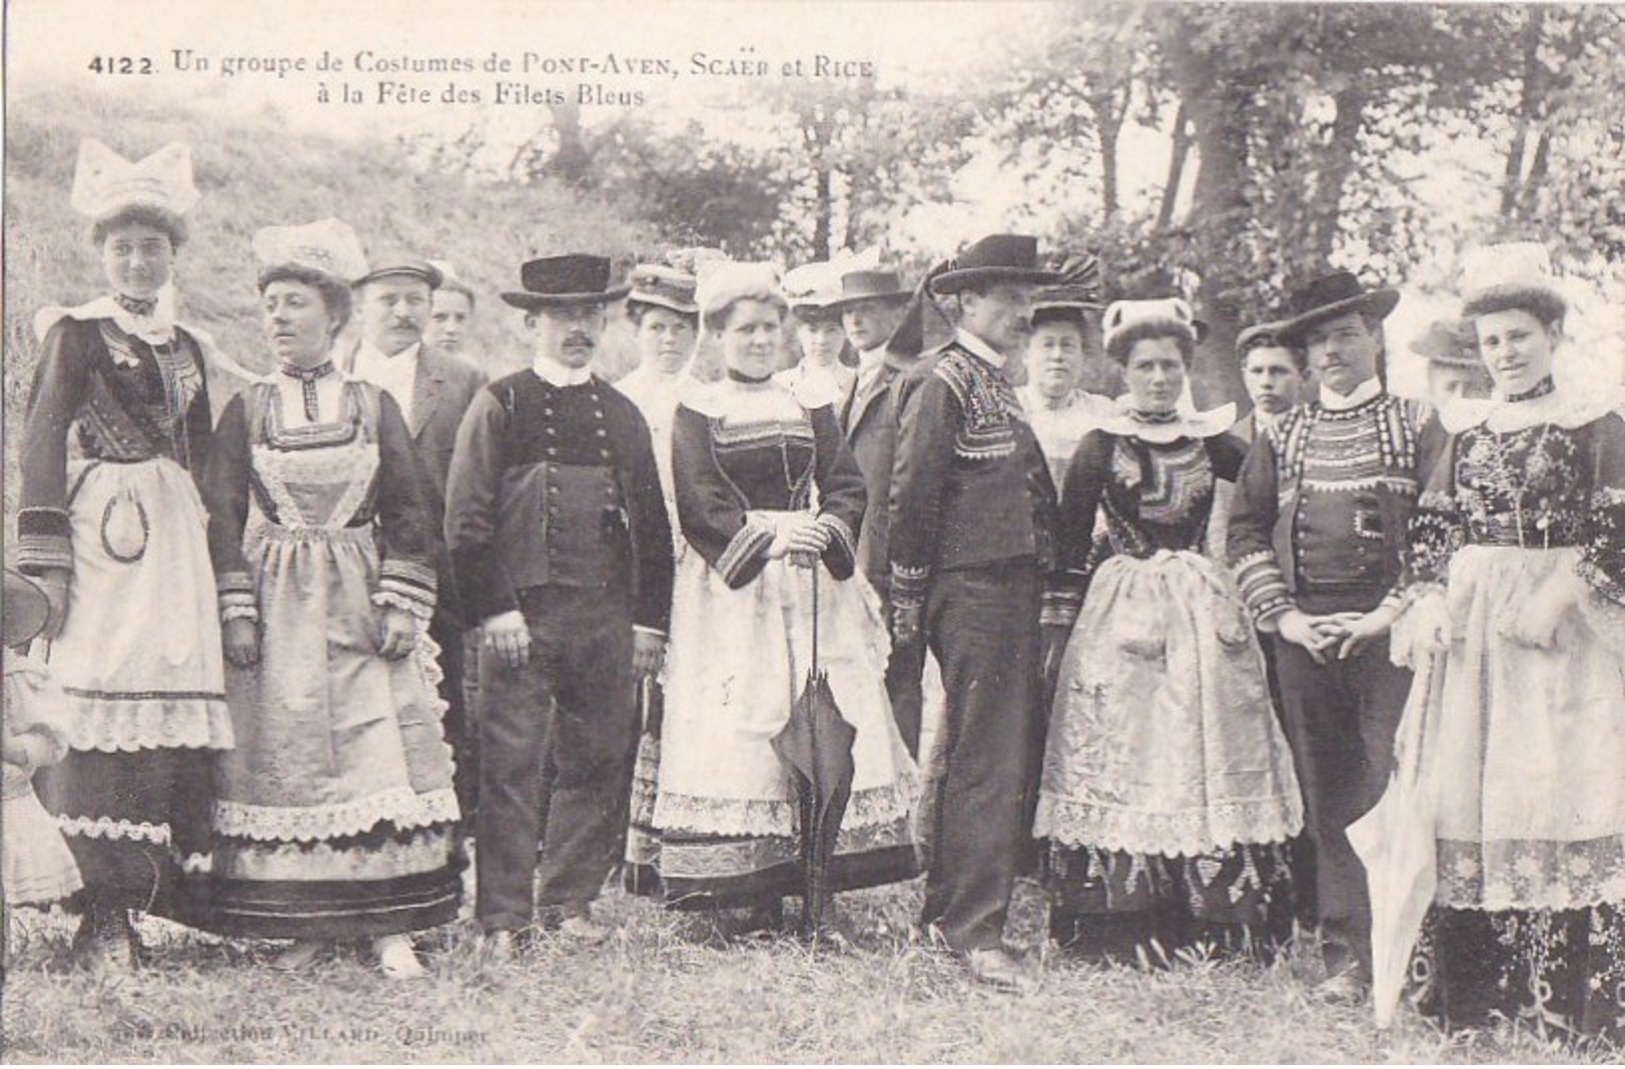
[[1174, 647]]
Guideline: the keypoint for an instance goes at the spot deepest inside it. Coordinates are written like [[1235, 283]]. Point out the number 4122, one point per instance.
[[121, 65]]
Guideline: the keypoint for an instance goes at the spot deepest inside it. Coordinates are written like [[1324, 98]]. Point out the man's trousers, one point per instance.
[[982, 625], [1340, 721], [564, 722]]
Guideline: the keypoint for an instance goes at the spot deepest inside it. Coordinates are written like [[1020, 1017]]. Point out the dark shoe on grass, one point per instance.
[[106, 944]]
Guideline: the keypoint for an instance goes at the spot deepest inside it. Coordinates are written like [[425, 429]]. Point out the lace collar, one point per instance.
[[1120, 419]]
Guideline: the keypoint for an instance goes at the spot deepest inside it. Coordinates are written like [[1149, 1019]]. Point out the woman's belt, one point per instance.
[[1525, 531]]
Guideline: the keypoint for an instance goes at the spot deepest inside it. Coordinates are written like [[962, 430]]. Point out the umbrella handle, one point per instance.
[[815, 618]]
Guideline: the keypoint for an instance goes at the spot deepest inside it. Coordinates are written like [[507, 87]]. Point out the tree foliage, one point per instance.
[[1299, 137]]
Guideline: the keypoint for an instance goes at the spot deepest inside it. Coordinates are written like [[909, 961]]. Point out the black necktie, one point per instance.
[[308, 377]]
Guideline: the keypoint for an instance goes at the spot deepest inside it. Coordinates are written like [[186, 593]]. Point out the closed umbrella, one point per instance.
[[1396, 843], [817, 745]]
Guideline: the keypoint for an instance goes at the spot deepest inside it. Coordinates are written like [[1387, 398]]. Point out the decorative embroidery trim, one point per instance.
[[108, 828], [308, 378], [125, 723], [1531, 874], [116, 501], [39, 552], [403, 807], [989, 405], [749, 543], [197, 864], [908, 585], [136, 306], [1219, 826], [354, 423], [144, 695], [841, 535], [1539, 389], [1061, 607], [730, 435], [688, 813], [355, 465], [412, 603], [408, 574], [1262, 584]]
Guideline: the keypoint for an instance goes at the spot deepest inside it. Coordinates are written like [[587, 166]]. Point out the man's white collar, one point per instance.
[[978, 347], [376, 355], [1368, 390], [558, 373]]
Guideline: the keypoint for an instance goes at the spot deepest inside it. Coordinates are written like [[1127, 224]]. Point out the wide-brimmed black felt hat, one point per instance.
[[1330, 296], [572, 279], [1010, 258]]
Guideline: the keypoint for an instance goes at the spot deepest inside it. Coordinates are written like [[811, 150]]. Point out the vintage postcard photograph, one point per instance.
[[890, 532]]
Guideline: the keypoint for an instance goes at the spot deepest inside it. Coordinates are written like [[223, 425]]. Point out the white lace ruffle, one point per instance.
[[420, 609], [1217, 827], [875, 807], [120, 726], [108, 828], [402, 807], [1531, 874]]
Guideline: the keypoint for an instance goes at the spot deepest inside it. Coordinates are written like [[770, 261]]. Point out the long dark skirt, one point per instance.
[[1558, 972], [138, 825], [1117, 906], [703, 872], [385, 881]]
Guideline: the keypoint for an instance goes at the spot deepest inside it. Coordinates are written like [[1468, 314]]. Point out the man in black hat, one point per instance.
[[433, 389], [872, 306], [973, 512], [1315, 539], [563, 550]]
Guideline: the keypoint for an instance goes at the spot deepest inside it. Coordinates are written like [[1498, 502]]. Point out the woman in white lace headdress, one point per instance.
[[336, 816], [112, 527], [1168, 787], [771, 502], [1517, 582]]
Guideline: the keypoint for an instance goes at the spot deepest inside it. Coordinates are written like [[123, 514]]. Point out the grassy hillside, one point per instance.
[[253, 173]]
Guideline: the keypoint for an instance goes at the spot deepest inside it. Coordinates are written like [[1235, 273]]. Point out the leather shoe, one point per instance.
[[999, 969]]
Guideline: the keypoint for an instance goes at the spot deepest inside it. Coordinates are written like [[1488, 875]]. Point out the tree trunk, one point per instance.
[[1176, 167], [1218, 210], [571, 158], [1538, 171], [1108, 125], [1511, 183], [824, 214], [1337, 164]]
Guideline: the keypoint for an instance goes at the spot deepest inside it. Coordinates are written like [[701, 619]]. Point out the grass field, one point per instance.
[[658, 993]]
